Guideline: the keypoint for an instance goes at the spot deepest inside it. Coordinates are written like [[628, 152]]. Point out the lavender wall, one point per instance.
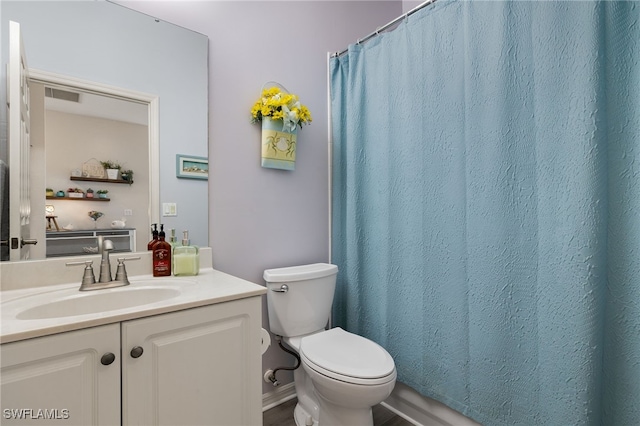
[[262, 218]]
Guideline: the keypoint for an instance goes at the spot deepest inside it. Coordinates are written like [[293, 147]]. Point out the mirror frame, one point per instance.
[[153, 103]]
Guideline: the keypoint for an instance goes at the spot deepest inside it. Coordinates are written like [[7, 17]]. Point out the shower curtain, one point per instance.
[[486, 206]]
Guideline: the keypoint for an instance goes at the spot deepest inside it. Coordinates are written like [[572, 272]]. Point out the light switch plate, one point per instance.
[[169, 209]]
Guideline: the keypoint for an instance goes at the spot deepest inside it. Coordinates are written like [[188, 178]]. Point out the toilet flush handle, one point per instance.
[[283, 289]]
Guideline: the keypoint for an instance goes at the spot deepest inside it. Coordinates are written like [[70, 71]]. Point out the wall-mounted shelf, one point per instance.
[[87, 179], [79, 199]]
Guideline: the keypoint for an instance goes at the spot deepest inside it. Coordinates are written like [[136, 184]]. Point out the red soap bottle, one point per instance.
[[161, 256]]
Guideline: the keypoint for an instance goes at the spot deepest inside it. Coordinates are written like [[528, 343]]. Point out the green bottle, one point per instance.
[[186, 258]]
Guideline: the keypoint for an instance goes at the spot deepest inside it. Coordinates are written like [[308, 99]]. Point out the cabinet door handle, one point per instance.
[[107, 358], [136, 352]]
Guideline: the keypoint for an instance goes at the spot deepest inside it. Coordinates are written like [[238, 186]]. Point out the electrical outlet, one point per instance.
[[128, 212]]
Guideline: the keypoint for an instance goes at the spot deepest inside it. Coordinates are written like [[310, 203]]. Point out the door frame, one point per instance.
[[50, 79]]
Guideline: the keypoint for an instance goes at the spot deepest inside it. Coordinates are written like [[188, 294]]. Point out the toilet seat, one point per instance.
[[347, 357]]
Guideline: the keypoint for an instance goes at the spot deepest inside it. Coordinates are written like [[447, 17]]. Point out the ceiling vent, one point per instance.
[[64, 95]]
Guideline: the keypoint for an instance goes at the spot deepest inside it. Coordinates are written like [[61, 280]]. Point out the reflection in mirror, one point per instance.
[[78, 130], [114, 46]]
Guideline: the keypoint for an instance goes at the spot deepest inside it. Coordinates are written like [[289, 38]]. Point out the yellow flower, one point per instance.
[[275, 104]]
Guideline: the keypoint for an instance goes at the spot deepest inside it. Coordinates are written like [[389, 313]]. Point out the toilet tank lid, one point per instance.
[[299, 273]]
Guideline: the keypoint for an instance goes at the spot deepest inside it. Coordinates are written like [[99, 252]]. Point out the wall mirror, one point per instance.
[[125, 51]]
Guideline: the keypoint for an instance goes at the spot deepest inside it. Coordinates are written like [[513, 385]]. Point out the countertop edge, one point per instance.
[[246, 289]]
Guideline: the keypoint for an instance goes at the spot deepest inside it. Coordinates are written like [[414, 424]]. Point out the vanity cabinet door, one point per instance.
[[62, 379], [199, 366]]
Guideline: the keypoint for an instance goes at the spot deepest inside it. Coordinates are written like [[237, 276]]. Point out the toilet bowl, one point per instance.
[[350, 374], [342, 375]]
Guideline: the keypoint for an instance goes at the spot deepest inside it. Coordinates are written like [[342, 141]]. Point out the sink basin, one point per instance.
[[98, 301]]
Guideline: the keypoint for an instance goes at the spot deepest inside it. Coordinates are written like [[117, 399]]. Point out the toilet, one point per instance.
[[342, 375]]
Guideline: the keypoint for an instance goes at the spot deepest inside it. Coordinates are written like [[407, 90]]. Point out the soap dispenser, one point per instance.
[[161, 256], [154, 232], [172, 238], [186, 258]]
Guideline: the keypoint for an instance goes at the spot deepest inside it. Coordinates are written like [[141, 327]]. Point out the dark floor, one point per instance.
[[282, 415]]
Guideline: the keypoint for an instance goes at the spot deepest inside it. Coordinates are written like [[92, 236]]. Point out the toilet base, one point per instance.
[[335, 415], [303, 418], [331, 415]]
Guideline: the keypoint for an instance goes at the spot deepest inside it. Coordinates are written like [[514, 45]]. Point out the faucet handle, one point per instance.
[[121, 272], [88, 278]]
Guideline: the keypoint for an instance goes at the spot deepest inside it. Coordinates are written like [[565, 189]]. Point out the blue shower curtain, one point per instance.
[[486, 206]]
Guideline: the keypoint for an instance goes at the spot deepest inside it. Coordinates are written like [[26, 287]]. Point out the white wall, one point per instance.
[[262, 218], [407, 5]]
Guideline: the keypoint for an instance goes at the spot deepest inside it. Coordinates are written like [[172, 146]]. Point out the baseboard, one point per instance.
[[423, 411], [281, 394]]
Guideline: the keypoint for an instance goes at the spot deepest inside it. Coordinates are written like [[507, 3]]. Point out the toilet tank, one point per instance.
[[306, 305]]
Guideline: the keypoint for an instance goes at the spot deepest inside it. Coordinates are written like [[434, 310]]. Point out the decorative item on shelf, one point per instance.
[[119, 224], [112, 168], [95, 215], [280, 113], [92, 168], [76, 173], [89, 193], [60, 193], [75, 193], [50, 192], [51, 217], [102, 193], [127, 175]]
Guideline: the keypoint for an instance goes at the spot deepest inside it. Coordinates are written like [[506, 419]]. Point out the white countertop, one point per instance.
[[209, 287]]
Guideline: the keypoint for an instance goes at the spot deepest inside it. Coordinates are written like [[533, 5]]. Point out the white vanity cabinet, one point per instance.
[[196, 367], [190, 367], [60, 379]]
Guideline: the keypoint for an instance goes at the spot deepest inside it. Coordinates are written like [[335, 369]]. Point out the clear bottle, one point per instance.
[[186, 258], [161, 256], [172, 238]]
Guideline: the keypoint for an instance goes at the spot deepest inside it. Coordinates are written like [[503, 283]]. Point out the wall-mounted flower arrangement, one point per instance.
[[280, 113]]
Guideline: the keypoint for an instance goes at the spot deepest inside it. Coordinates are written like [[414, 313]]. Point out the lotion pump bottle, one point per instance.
[[172, 238], [161, 256], [186, 258], [154, 240]]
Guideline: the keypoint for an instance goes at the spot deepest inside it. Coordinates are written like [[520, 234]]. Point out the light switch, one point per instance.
[[169, 209]]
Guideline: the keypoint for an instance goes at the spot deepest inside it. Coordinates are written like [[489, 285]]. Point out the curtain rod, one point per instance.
[[385, 27]]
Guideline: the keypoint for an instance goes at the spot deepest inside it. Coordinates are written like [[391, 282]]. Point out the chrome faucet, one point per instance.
[[104, 246], [104, 281]]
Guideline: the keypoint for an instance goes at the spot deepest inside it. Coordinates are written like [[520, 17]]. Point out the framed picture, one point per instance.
[[191, 167]]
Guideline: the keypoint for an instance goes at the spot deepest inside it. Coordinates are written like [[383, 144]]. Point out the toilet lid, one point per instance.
[[347, 355]]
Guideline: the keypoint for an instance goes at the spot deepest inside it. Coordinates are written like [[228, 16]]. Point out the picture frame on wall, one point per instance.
[[192, 167]]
